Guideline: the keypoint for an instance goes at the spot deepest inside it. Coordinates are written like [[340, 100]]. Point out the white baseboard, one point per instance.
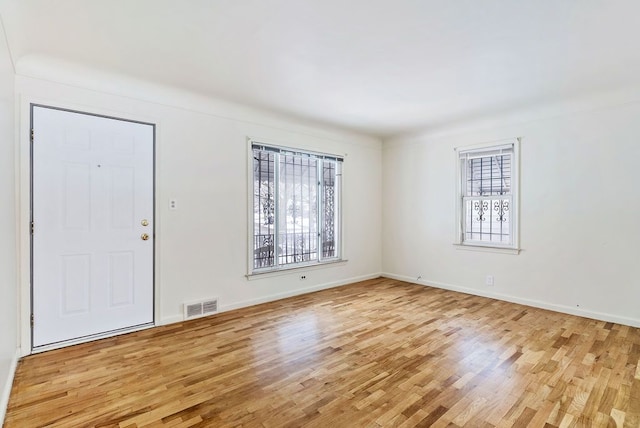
[[171, 320], [278, 296], [297, 292], [633, 322], [6, 391]]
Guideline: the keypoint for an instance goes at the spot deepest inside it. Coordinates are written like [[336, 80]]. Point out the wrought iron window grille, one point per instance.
[[295, 207], [487, 195]]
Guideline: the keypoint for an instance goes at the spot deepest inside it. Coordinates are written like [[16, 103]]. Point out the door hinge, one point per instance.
[[32, 228], [32, 135], [31, 320]]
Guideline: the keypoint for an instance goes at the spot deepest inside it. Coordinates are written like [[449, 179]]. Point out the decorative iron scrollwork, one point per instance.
[[328, 213], [481, 207], [267, 202], [268, 210], [501, 208], [299, 249]]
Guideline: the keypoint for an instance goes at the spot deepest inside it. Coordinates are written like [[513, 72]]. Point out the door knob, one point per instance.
[[145, 222], [144, 236]]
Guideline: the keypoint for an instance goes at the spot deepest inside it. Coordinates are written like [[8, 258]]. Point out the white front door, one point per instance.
[[93, 232]]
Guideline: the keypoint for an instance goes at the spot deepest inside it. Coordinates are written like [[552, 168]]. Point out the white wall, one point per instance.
[[580, 205], [8, 282], [202, 157]]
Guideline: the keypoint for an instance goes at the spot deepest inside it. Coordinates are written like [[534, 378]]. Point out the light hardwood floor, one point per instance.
[[379, 353]]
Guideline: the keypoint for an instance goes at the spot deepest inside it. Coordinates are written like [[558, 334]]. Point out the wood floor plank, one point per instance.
[[379, 353]]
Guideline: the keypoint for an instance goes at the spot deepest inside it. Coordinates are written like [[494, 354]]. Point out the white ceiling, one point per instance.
[[382, 67]]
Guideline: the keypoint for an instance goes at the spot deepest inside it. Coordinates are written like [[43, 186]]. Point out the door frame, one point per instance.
[[24, 182]]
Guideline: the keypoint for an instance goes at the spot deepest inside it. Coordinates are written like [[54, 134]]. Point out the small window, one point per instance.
[[296, 208], [488, 198]]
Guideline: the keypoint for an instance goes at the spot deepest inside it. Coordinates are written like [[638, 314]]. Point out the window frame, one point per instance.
[[460, 221], [320, 260]]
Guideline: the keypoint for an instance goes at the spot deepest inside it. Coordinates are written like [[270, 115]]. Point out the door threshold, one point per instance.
[[90, 338]]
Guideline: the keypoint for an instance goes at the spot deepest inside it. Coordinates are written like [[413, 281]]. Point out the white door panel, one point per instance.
[[92, 189]]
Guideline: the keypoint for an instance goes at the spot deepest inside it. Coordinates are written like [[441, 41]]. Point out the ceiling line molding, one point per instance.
[[619, 97], [76, 75]]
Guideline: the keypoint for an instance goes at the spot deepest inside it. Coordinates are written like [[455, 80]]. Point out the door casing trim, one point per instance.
[[24, 196]]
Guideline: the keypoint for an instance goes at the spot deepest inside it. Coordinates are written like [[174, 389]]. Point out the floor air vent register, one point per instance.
[[200, 308]]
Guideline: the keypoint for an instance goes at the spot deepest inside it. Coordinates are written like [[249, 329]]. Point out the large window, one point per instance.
[[296, 208], [487, 198]]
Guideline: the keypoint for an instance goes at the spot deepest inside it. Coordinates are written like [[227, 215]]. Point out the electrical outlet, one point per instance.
[[489, 280], [303, 277], [173, 204]]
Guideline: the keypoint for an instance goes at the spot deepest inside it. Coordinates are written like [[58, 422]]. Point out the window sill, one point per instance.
[[293, 270], [484, 249]]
